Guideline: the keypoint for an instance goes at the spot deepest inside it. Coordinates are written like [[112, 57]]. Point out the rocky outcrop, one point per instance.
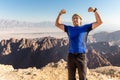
[[96, 60], [56, 71], [24, 53], [108, 51]]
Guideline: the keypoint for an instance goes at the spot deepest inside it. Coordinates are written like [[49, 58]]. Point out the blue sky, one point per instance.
[[47, 10]]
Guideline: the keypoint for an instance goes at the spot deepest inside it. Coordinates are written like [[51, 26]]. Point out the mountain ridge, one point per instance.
[[26, 53]]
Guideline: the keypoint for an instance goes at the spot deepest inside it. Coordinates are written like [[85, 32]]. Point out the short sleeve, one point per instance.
[[88, 27], [65, 28]]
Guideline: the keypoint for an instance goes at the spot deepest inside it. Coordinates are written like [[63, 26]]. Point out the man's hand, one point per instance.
[[90, 9], [63, 11]]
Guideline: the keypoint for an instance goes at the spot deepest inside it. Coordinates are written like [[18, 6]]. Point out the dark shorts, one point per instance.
[[77, 61]]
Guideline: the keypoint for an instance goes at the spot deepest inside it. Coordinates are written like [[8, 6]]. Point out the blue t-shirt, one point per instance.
[[78, 37]]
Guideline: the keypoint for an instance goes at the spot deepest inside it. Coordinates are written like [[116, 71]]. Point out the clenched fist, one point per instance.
[[63, 11], [90, 9]]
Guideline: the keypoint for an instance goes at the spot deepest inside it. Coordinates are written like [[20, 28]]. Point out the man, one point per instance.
[[77, 42]]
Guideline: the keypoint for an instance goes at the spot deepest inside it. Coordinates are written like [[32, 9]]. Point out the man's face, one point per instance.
[[76, 20]]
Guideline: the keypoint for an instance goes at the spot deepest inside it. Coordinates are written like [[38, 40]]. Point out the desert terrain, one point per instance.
[[56, 71]]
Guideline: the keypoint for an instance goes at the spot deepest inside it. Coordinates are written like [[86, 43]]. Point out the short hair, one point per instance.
[[77, 15]]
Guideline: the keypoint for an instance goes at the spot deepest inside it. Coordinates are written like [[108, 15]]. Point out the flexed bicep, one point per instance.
[[58, 20], [97, 17]]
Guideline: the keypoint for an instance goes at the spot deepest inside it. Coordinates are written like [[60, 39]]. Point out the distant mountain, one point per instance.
[[48, 24], [112, 38], [14, 26], [15, 23], [25, 53], [105, 36]]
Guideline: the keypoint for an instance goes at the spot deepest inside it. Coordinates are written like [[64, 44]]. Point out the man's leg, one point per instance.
[[71, 67], [82, 66]]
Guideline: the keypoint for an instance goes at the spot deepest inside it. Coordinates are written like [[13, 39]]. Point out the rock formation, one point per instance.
[[26, 53]]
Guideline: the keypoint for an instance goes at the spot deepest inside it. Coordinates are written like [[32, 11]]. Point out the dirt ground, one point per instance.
[[56, 71]]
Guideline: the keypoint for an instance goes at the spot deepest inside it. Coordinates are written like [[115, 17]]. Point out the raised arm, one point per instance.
[[97, 16], [58, 20]]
